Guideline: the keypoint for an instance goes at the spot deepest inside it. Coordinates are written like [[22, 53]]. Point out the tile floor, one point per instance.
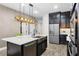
[[52, 50], [56, 50], [3, 52]]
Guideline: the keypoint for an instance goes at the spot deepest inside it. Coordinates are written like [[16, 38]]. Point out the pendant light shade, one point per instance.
[[27, 19]]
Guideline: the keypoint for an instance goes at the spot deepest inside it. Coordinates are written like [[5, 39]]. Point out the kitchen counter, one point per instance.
[[26, 45], [20, 40]]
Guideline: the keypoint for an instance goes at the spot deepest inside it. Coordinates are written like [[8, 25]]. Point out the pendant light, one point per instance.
[[31, 13], [30, 7], [20, 21]]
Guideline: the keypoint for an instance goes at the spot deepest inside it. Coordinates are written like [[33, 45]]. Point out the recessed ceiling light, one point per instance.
[[55, 7], [22, 4], [35, 12]]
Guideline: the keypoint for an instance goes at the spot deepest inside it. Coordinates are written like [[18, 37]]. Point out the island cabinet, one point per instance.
[[33, 48], [41, 46], [13, 49], [28, 49]]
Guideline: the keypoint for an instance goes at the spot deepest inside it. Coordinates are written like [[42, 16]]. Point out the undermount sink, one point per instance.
[[37, 36]]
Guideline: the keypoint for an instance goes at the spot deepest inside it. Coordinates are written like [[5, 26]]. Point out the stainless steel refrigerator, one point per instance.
[[54, 33]]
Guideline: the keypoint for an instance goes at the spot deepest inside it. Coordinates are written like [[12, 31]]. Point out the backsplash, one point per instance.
[[65, 31]]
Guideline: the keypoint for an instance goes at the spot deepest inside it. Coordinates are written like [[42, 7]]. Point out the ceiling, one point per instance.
[[39, 9]]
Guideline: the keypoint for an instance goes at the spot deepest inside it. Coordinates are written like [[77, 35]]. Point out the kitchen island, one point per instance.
[[26, 46]]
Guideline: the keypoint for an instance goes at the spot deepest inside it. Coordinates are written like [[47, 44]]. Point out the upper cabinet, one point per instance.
[[62, 18], [65, 20], [54, 18]]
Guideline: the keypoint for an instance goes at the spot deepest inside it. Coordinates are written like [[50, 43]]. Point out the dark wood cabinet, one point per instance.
[[13, 49], [63, 39], [39, 49], [65, 20], [28, 49], [54, 18], [44, 44], [62, 18], [41, 46]]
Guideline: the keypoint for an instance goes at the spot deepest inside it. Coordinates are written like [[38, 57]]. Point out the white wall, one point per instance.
[[39, 28], [45, 26], [9, 26]]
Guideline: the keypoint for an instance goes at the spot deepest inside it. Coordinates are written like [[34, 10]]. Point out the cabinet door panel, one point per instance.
[[54, 18], [13, 49], [65, 19], [39, 49]]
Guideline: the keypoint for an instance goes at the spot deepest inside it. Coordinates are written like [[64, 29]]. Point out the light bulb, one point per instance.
[[25, 19], [21, 18]]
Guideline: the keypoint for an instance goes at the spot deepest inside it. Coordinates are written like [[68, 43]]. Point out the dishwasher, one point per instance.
[[30, 49]]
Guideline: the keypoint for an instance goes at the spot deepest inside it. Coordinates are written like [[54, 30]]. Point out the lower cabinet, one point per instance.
[[44, 45], [34, 48], [39, 49], [62, 39], [13, 49], [41, 46], [29, 49]]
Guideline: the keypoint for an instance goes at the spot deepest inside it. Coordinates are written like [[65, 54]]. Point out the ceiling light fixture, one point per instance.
[[55, 7], [22, 4]]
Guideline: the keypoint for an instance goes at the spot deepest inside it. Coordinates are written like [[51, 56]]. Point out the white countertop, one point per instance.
[[19, 40], [65, 31]]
